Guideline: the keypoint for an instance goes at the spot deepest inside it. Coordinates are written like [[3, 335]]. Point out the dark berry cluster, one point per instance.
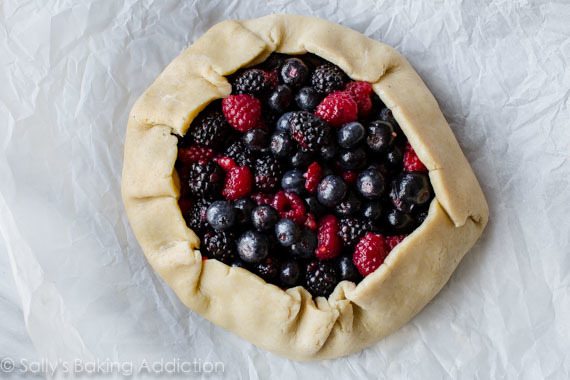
[[301, 176]]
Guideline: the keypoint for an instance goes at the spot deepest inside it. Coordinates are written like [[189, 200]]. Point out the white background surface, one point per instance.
[[72, 270]]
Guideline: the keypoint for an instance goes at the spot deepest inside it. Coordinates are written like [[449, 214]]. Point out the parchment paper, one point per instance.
[[71, 72]]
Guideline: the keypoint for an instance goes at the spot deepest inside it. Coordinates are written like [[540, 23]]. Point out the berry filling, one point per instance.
[[301, 176]]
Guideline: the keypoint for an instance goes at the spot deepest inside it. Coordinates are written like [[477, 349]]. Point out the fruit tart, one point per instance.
[[295, 182]]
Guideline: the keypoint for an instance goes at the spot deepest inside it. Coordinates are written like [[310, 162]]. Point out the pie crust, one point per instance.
[[291, 323]]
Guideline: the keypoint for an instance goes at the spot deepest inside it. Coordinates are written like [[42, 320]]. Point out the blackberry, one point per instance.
[[240, 153], [321, 278], [250, 81], [205, 180], [308, 130], [210, 130], [352, 229], [220, 245], [196, 215], [268, 269], [328, 78], [267, 173]]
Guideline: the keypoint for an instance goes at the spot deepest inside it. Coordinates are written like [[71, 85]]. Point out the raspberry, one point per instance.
[[308, 130], [243, 111], [321, 278], [313, 176], [209, 129], [369, 253], [252, 81], [352, 229], [329, 243], [290, 206], [205, 180], [240, 153], [238, 184], [220, 245], [328, 78], [337, 108], [311, 222], [267, 173], [361, 93], [195, 153], [412, 162], [394, 240]]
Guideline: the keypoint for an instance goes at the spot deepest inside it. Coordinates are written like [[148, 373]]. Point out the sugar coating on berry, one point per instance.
[[369, 253]]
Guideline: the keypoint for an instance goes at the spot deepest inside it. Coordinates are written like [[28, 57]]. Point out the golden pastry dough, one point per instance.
[[291, 323]]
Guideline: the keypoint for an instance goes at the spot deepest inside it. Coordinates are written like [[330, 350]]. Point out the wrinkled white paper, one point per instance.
[[72, 71]]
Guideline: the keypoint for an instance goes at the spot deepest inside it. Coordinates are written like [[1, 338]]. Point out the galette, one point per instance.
[[295, 182]]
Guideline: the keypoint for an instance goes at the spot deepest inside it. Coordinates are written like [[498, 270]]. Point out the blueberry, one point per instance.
[[289, 273], [301, 159], [307, 98], [256, 139], [410, 191], [264, 217], [293, 180], [372, 211], [421, 217], [347, 270], [287, 232], [243, 207], [394, 159], [398, 221], [281, 145], [328, 151], [280, 99], [306, 244], [370, 183], [352, 159], [253, 246], [350, 134], [380, 136], [283, 122], [315, 207], [385, 114], [221, 215], [349, 205], [294, 72], [331, 190]]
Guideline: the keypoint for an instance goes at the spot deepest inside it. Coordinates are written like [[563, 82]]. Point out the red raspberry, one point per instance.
[[311, 223], [313, 176], [242, 111], [238, 183], [412, 162], [225, 163], [329, 243], [394, 240], [290, 206], [369, 253], [195, 153], [263, 198], [184, 204], [337, 108], [349, 176], [360, 92]]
